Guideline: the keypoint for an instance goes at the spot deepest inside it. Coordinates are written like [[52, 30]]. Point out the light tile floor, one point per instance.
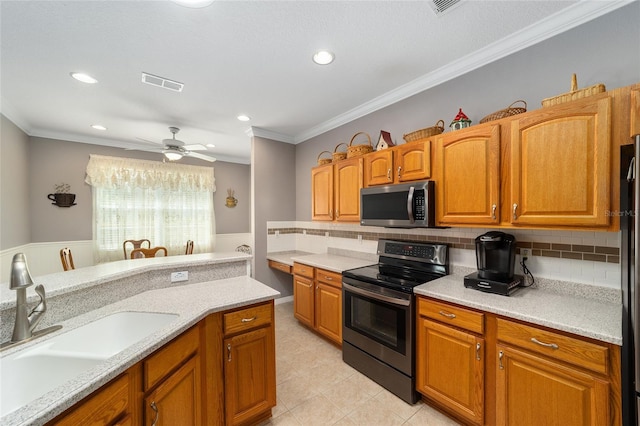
[[315, 387]]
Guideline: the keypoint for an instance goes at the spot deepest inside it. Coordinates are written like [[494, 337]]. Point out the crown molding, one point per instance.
[[269, 134], [564, 20], [14, 116]]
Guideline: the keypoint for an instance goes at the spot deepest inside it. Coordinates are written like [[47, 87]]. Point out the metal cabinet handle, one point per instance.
[[493, 211], [547, 345], [447, 314], [399, 170], [154, 407], [248, 319], [337, 213], [389, 174], [500, 355], [229, 352], [330, 213], [328, 278], [515, 208], [478, 351]]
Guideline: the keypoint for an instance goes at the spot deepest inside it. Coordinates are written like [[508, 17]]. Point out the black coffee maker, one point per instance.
[[495, 259]]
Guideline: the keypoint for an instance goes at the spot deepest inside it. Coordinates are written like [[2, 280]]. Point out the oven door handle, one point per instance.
[[380, 297]]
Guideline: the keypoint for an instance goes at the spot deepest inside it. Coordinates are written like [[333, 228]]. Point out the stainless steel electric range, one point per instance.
[[378, 329]]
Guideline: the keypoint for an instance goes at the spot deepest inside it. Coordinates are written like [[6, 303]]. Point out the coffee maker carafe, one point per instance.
[[496, 259], [496, 256]]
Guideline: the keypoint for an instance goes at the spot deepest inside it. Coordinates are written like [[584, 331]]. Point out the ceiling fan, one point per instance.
[[174, 149]]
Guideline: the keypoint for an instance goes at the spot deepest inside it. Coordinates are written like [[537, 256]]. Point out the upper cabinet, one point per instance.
[[560, 165], [335, 191], [468, 176], [403, 163]]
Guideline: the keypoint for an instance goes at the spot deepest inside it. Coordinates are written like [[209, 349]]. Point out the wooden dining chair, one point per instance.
[[67, 259], [147, 252], [189, 249], [136, 244]]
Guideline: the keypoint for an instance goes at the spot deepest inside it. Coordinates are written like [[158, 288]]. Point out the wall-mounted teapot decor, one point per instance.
[[231, 200], [62, 197]]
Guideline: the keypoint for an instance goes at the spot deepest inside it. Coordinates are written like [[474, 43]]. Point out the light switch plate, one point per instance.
[[179, 276]]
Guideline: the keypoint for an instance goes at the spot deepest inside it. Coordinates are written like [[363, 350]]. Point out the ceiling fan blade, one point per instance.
[[201, 156], [195, 147]]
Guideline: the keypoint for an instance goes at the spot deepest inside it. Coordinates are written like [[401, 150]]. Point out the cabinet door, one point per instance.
[[560, 165], [303, 300], [413, 161], [347, 185], [329, 311], [635, 112], [177, 400], [322, 192], [531, 390], [249, 375], [378, 168], [469, 176], [450, 368]]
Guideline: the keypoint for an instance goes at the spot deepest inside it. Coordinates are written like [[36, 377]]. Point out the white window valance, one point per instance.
[[116, 172]]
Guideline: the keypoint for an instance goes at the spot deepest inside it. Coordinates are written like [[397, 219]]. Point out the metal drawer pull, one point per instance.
[[500, 355], [154, 407], [229, 352], [328, 278], [493, 211], [515, 208], [399, 170], [548, 345], [389, 174], [248, 319], [447, 314], [478, 351]]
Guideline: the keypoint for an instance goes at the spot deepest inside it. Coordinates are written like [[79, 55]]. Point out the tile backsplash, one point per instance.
[[580, 256]]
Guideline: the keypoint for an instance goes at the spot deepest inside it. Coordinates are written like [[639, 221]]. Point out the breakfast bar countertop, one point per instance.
[[591, 317], [191, 303]]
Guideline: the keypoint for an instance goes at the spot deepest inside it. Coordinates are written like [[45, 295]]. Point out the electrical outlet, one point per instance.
[[304, 232], [359, 238], [277, 233], [326, 234], [525, 253], [179, 276]]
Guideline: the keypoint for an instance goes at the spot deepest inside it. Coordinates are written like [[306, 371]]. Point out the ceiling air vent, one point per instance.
[[165, 83], [441, 6]]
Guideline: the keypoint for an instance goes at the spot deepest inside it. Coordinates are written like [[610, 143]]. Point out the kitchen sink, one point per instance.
[[28, 374]]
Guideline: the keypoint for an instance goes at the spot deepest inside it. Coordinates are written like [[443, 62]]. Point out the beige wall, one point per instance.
[[602, 51], [14, 185]]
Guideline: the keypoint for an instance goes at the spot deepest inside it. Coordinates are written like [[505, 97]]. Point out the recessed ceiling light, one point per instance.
[[243, 117], [210, 145], [99, 127], [85, 78], [323, 57], [193, 3]]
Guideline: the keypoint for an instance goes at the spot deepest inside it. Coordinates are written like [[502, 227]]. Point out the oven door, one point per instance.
[[379, 321]]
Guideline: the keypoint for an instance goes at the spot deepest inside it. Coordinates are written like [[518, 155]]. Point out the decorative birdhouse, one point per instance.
[[384, 141], [460, 122]]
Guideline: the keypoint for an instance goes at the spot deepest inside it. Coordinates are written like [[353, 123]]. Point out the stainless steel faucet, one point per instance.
[[20, 280]]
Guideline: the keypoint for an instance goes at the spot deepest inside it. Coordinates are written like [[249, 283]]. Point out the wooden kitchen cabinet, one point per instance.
[[403, 163], [635, 112], [560, 165], [335, 191], [317, 300], [249, 364], [468, 165], [450, 359], [555, 372]]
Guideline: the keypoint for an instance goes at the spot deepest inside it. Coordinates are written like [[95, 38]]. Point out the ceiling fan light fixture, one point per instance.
[[323, 57], [85, 78], [172, 155]]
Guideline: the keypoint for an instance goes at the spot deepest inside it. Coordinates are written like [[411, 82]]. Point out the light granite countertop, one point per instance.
[[82, 278], [191, 303], [587, 317], [332, 261]]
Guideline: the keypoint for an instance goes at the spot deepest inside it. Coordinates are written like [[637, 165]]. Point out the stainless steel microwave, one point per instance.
[[407, 205]]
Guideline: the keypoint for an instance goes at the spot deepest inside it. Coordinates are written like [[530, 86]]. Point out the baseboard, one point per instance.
[[285, 299]]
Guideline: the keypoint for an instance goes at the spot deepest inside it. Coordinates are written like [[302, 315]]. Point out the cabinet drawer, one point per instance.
[[555, 345], [328, 277], [167, 359], [304, 270], [280, 266], [452, 315], [247, 318]]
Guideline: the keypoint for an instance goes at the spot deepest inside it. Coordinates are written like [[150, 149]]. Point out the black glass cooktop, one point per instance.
[[391, 276]]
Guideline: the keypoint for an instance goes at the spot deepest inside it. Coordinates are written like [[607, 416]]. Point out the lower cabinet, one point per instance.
[[485, 369], [222, 370], [317, 300]]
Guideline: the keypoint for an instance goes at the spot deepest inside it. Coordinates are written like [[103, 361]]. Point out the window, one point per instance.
[[167, 203]]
